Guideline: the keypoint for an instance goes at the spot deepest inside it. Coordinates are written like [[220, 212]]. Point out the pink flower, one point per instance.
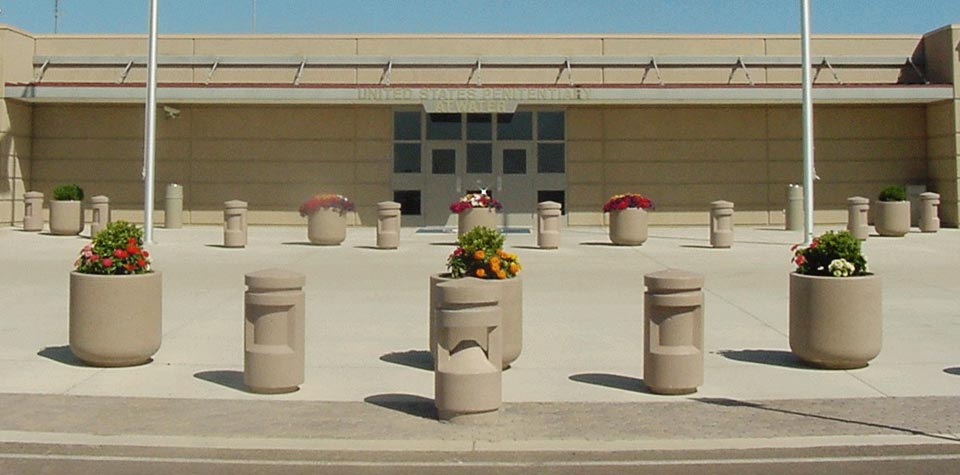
[[107, 262]]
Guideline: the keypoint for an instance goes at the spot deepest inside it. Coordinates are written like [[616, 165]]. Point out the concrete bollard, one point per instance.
[[33, 211], [548, 224], [173, 214], [235, 223], [468, 376], [721, 224], [929, 212], [794, 210], [101, 214], [388, 225], [673, 332], [858, 209], [273, 331]]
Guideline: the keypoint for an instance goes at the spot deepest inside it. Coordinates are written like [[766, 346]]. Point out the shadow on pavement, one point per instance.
[[227, 378], [785, 359], [615, 381], [954, 371], [767, 407], [61, 354], [604, 244], [419, 359], [409, 404]]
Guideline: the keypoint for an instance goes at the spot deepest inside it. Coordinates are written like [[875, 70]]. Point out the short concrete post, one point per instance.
[[33, 211], [467, 380], [929, 212], [721, 224], [101, 214], [794, 210], [673, 332], [173, 211], [548, 224], [273, 331], [235, 223], [858, 208], [388, 225]]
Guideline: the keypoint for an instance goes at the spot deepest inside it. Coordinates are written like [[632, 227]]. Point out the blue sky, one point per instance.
[[483, 16]]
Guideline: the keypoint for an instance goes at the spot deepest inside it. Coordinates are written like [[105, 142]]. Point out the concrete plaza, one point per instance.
[[367, 354]]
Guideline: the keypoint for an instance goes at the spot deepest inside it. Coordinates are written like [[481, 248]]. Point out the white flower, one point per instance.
[[841, 268]]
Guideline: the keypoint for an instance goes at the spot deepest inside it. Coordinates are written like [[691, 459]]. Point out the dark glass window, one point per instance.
[[444, 161], [550, 158], [406, 158], [514, 161], [557, 196], [550, 125], [516, 126], [409, 201], [479, 158], [406, 126], [479, 127], [443, 127]]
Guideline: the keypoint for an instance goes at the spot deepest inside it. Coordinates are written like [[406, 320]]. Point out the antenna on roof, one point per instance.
[[253, 14], [56, 16]]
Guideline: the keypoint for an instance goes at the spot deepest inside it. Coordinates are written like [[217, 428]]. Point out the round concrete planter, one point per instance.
[[115, 320], [66, 217], [835, 322], [473, 217], [628, 227], [511, 303], [327, 227], [892, 218]]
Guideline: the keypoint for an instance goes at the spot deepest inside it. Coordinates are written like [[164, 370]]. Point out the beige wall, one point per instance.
[[272, 157], [942, 48], [16, 51], [685, 157]]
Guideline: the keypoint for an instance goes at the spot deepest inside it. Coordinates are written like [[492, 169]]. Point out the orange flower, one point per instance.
[[501, 274], [479, 255], [514, 267], [481, 273], [502, 253], [495, 266]]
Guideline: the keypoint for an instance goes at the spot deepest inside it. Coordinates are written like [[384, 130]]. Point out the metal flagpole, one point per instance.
[[150, 132], [808, 170]]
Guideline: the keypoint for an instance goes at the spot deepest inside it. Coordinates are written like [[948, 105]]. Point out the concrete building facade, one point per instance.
[[421, 119]]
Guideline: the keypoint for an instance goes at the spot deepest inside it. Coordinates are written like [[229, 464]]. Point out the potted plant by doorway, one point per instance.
[[115, 300], [475, 209], [326, 218], [66, 210], [893, 212], [480, 255], [628, 218], [836, 319]]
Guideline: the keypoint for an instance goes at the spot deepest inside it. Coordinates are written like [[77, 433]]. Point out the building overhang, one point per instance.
[[486, 98]]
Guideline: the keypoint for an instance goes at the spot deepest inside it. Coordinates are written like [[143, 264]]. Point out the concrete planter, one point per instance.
[[511, 302], [473, 217], [115, 320], [66, 217], [628, 227], [835, 322], [327, 227], [892, 218]]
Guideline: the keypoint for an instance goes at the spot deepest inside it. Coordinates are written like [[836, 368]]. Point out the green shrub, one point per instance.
[[116, 250], [834, 254], [894, 193], [68, 193], [480, 254]]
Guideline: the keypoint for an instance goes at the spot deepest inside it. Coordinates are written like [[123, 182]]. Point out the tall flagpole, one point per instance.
[[808, 170], [150, 132]]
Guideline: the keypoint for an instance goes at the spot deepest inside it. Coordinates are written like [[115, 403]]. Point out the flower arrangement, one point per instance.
[[893, 193], [475, 200], [834, 254], [326, 200], [116, 250], [480, 254], [627, 200]]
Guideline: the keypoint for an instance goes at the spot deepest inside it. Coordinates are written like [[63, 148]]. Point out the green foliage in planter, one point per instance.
[[116, 250], [834, 254], [68, 193], [894, 193], [480, 254]]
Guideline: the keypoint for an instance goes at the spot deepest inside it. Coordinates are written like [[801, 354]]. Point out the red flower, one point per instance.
[[141, 262], [144, 253], [94, 258], [120, 253], [800, 260], [133, 249], [128, 267], [107, 262], [131, 240]]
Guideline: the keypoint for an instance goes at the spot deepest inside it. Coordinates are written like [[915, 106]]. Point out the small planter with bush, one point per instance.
[[893, 212], [66, 210]]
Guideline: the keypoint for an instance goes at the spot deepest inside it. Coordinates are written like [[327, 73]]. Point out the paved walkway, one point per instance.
[[368, 373]]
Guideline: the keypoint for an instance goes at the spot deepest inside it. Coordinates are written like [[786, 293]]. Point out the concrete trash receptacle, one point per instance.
[[173, 209], [235, 223], [548, 224], [388, 225], [794, 209], [101, 214], [721, 224], [929, 212], [673, 331], [858, 209], [273, 332], [33, 211]]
